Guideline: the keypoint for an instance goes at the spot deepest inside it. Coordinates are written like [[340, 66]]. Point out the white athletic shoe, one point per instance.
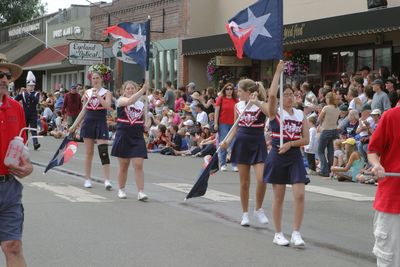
[[107, 185], [142, 196], [262, 218], [121, 193], [245, 219], [296, 239], [224, 168], [87, 184], [280, 239], [235, 169]]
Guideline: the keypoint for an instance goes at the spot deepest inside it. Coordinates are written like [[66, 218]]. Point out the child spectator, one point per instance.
[[312, 147], [354, 163], [338, 155]]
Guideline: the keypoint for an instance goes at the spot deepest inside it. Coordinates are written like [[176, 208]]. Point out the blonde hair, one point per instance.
[[125, 84], [350, 150], [251, 86], [331, 99]]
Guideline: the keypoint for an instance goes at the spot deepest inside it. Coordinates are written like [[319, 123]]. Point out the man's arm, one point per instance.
[[377, 168]]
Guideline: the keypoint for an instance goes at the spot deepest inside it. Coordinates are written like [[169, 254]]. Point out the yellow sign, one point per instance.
[[231, 61]]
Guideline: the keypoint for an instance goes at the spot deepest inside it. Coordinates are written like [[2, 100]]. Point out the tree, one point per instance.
[[14, 11]]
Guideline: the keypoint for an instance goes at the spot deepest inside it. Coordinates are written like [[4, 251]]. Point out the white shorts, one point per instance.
[[387, 239]]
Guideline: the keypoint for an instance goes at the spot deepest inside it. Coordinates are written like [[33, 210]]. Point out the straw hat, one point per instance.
[[15, 69]]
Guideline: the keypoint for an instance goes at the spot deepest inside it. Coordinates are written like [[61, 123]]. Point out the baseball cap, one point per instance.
[[365, 107], [350, 141], [344, 74], [74, 86], [376, 112], [191, 84], [206, 126], [378, 81], [343, 107]]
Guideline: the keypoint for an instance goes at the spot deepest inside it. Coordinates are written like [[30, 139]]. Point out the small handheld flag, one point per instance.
[[63, 154], [258, 30]]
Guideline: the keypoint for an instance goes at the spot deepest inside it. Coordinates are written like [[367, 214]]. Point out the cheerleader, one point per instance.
[[284, 165], [94, 127], [249, 148], [129, 145]]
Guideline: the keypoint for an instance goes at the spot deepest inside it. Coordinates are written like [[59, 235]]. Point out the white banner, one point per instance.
[[85, 53]]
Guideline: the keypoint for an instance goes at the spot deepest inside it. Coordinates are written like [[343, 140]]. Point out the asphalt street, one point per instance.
[[68, 225]]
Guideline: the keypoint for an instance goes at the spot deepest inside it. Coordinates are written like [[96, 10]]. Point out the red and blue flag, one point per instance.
[[258, 30], [63, 154], [134, 38]]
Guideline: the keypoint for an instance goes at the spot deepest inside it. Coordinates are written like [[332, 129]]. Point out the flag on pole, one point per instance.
[[134, 38], [200, 187], [258, 30], [63, 154]]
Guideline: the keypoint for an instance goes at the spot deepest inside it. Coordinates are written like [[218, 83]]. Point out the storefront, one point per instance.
[[52, 63], [318, 50]]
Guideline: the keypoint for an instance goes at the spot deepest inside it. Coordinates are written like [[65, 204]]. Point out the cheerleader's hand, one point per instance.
[[284, 148], [253, 99], [72, 129], [223, 145]]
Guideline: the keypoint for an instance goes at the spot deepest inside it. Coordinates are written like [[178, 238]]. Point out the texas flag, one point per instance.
[[257, 30], [134, 38]]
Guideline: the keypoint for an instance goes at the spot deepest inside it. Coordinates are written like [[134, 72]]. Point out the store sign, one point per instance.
[[231, 61], [85, 53], [294, 31], [119, 54], [75, 31], [20, 30]]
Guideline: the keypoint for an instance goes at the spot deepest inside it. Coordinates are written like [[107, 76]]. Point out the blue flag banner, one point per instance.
[[63, 154], [134, 38], [258, 30]]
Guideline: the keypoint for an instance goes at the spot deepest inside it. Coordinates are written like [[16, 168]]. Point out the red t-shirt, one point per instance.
[[12, 120], [385, 141], [227, 112]]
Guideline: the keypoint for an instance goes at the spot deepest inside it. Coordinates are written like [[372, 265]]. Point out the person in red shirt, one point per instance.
[[12, 120], [72, 105], [383, 154], [224, 119]]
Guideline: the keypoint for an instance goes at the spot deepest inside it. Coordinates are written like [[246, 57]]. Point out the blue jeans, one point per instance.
[[326, 143], [223, 130], [363, 149]]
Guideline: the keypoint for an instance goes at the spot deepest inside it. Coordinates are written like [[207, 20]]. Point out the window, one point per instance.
[[383, 57], [346, 61], [365, 58]]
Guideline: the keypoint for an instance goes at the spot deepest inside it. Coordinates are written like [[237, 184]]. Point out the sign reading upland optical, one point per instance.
[[85, 53], [75, 31], [20, 30]]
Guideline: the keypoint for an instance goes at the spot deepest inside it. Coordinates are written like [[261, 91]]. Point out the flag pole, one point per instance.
[[147, 73], [281, 110]]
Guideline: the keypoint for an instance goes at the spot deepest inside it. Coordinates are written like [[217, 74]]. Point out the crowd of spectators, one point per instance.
[[342, 116]]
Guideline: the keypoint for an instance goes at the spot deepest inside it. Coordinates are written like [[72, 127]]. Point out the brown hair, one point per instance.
[[228, 85], [251, 86]]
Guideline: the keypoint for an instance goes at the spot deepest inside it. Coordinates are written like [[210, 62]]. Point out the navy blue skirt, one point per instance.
[[287, 168], [249, 146], [129, 143], [94, 129]]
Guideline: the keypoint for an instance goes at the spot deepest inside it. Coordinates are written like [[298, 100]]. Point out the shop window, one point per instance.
[[331, 64], [346, 61], [365, 58], [383, 57]]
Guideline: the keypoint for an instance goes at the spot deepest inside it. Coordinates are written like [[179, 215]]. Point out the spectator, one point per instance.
[[351, 126], [393, 96], [59, 101], [384, 73], [309, 96], [376, 115], [364, 73], [328, 127], [209, 100], [195, 100], [354, 163], [169, 96], [369, 92], [201, 116], [158, 101], [343, 117], [353, 100], [47, 113], [380, 100], [312, 146], [72, 105], [179, 101], [344, 86], [364, 130], [338, 155], [191, 88], [360, 89]]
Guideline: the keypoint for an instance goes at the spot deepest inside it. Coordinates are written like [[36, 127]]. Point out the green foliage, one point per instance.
[[14, 11]]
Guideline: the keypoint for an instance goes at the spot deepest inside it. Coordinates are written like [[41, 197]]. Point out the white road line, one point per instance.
[[224, 197], [71, 193], [210, 194], [336, 193]]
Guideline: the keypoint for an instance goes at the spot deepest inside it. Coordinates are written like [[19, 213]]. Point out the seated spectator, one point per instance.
[[354, 163], [343, 117], [201, 116], [338, 154], [158, 101], [376, 116], [160, 141], [353, 100], [174, 143], [179, 101], [59, 129], [351, 127], [393, 96], [44, 127], [364, 130], [211, 120], [47, 113]]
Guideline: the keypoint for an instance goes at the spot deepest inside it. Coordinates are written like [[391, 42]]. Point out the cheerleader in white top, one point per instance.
[[94, 128], [249, 147], [284, 165], [129, 145]]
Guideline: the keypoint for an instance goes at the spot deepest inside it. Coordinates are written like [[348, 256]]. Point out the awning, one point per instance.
[[49, 59], [369, 22], [21, 50]]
